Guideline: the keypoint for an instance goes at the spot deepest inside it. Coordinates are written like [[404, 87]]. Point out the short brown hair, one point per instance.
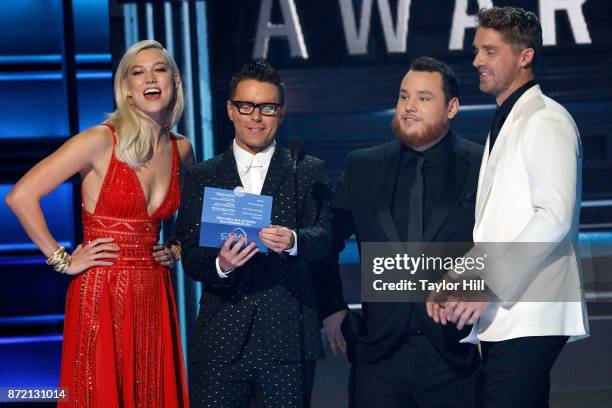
[[518, 27], [428, 64], [258, 70]]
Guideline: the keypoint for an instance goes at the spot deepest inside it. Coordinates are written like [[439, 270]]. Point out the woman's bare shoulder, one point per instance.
[[184, 146], [96, 138], [93, 146]]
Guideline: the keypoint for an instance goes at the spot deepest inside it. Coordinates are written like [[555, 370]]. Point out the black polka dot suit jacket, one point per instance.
[[266, 290]]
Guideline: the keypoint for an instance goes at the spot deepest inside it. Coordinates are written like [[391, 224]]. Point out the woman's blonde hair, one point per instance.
[[134, 129]]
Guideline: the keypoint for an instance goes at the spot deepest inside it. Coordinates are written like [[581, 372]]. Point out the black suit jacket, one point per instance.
[[263, 295], [362, 205]]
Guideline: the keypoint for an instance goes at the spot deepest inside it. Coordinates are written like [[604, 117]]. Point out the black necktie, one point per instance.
[[417, 192], [498, 122]]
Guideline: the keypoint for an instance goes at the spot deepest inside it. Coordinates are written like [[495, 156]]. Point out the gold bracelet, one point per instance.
[[56, 255], [62, 267], [59, 260]]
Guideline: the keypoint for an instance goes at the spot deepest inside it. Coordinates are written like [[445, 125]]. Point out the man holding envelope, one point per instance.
[[258, 333]]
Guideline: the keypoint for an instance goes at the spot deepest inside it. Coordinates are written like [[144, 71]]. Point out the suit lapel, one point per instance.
[[280, 167], [503, 140], [385, 193], [483, 167], [454, 179], [491, 163], [227, 173]]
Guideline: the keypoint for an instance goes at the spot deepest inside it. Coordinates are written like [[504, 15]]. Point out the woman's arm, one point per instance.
[[84, 154]]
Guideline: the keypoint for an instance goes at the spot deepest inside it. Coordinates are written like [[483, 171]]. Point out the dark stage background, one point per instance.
[[342, 62]]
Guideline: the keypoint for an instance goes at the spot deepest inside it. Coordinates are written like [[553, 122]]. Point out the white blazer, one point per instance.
[[529, 190]]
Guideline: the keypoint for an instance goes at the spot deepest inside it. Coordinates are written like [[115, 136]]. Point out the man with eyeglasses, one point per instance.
[[258, 331]]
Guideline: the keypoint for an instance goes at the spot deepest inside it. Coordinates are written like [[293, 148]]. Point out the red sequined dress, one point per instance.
[[121, 343]]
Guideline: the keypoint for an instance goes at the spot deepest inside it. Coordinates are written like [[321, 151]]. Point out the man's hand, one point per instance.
[[277, 238], [435, 304], [331, 326], [434, 310], [231, 257], [458, 307], [463, 312]]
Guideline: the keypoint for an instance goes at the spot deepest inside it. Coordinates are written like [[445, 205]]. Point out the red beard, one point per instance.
[[414, 140]]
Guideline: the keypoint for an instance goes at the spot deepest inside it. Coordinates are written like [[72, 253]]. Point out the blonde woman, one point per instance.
[[121, 343]]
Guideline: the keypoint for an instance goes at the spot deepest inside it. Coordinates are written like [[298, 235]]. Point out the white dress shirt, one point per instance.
[[252, 169]]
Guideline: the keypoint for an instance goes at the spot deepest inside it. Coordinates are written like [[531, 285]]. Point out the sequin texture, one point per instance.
[[121, 340]]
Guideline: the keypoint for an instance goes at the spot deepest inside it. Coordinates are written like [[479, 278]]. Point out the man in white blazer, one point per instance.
[[529, 191]]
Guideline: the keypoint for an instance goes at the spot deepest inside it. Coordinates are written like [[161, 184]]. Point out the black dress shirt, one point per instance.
[[407, 199], [503, 111], [433, 174]]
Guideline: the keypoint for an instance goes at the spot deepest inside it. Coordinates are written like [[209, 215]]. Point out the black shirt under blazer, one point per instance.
[[362, 205], [262, 295]]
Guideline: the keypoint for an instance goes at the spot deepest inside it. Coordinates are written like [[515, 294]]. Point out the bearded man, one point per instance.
[[421, 187]]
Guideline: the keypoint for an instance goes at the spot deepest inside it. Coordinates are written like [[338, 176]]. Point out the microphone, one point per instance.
[[296, 148]]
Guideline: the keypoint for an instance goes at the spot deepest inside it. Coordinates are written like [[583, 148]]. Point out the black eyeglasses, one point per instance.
[[266, 109]]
